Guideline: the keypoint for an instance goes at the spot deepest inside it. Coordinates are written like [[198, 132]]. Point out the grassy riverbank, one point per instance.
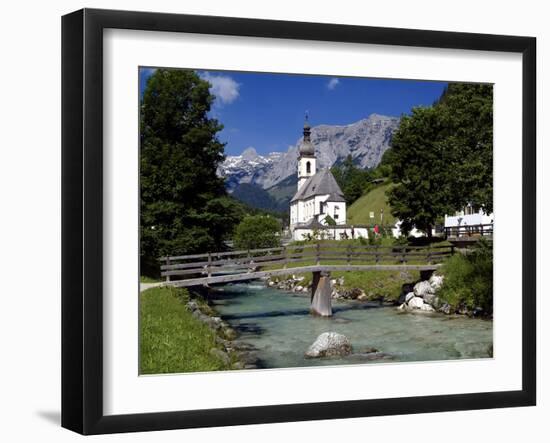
[[375, 284], [171, 339]]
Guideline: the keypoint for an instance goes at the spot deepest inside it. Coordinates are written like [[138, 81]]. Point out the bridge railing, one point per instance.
[[484, 230], [243, 261]]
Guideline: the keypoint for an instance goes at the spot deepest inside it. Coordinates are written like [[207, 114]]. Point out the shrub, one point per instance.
[[469, 279], [401, 241], [258, 231]]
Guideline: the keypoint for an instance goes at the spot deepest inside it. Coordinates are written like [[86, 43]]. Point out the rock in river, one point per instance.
[[329, 344], [415, 303], [422, 288], [436, 281]]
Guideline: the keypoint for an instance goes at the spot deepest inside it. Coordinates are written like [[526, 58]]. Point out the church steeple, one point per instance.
[[306, 148], [306, 160]]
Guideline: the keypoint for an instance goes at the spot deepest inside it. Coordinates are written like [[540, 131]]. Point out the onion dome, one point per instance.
[[306, 148]]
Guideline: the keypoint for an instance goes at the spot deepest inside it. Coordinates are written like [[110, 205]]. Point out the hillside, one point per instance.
[[373, 201], [283, 191], [257, 197]]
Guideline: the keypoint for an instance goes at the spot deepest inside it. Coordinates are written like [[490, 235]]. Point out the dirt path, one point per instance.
[[145, 286]]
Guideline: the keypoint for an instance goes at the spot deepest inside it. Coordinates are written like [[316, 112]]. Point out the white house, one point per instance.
[[319, 204]]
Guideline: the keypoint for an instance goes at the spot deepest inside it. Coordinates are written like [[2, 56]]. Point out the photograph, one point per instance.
[[294, 220]]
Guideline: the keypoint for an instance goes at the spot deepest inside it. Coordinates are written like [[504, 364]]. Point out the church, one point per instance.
[[318, 208]]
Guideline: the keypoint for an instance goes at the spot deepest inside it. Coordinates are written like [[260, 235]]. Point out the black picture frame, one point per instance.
[[82, 218]]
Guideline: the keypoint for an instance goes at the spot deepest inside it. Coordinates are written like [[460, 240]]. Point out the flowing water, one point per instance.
[[279, 326]]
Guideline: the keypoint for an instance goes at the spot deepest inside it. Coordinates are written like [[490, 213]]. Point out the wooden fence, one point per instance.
[[469, 231], [219, 263]]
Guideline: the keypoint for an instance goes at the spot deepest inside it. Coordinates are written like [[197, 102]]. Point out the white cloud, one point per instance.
[[332, 83], [223, 87]]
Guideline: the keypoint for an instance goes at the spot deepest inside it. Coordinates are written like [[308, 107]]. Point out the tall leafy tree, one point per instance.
[[441, 157], [467, 112], [184, 208]]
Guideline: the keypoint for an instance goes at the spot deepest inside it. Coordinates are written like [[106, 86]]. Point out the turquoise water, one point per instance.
[[279, 326]]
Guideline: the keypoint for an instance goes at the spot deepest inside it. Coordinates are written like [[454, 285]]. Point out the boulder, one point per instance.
[[221, 355], [352, 293], [477, 312], [362, 297], [436, 281], [409, 296], [329, 344], [430, 299], [446, 309], [426, 307], [415, 303], [298, 288], [229, 333], [192, 305], [406, 288], [422, 288]]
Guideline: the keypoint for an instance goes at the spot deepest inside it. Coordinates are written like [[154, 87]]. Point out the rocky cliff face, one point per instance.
[[366, 141]]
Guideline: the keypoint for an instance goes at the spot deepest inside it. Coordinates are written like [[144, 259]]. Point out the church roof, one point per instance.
[[322, 183], [311, 224]]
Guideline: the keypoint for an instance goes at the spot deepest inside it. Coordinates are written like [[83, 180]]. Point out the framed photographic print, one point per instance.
[[269, 221]]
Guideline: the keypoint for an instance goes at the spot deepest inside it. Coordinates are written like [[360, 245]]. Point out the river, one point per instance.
[[279, 326]]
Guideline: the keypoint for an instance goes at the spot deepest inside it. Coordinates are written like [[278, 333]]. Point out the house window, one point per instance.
[[308, 168]]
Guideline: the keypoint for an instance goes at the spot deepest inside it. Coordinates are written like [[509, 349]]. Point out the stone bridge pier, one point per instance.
[[321, 292]]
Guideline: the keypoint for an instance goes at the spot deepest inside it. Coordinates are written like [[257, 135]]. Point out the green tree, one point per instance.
[[257, 231], [467, 113], [441, 157], [184, 207]]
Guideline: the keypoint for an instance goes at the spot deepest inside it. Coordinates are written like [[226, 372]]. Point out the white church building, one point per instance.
[[318, 208]]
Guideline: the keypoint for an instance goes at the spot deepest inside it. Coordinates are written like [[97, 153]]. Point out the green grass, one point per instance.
[[359, 212], [375, 284], [171, 339], [386, 284]]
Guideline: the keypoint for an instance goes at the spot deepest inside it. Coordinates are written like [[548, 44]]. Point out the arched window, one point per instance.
[[308, 168]]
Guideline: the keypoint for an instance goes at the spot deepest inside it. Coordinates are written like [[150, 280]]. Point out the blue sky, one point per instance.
[[266, 111]]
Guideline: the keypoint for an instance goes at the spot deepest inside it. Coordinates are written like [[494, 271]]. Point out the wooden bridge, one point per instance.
[[319, 259]]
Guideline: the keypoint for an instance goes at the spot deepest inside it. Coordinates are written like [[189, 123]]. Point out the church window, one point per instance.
[[308, 168]]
